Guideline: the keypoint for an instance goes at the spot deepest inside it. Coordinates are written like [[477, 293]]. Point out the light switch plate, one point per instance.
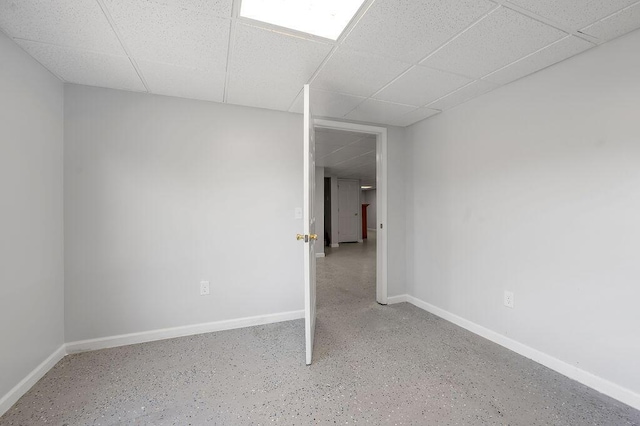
[[298, 213]]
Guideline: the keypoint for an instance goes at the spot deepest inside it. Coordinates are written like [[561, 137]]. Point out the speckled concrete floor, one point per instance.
[[395, 365]]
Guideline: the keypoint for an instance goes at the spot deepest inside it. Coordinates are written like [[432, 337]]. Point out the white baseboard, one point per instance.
[[397, 299], [335, 245], [129, 339], [604, 386], [170, 333], [25, 384], [319, 254], [361, 241], [371, 229]]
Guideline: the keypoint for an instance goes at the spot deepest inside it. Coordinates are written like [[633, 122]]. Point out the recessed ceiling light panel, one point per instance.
[[324, 18]]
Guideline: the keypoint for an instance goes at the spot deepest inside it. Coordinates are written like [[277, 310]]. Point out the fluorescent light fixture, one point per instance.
[[366, 187], [324, 18]]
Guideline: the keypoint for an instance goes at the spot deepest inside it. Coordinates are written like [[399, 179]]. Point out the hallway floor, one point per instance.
[[373, 364]]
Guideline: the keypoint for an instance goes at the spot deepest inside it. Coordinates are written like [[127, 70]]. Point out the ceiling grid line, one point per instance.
[[624, 9], [235, 11], [446, 43], [339, 42], [529, 56], [114, 27], [529, 14], [343, 147], [417, 107], [394, 63]]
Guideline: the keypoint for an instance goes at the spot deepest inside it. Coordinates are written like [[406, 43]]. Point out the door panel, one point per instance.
[[309, 228], [348, 210]]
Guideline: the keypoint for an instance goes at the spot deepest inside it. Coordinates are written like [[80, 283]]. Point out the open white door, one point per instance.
[[309, 219]]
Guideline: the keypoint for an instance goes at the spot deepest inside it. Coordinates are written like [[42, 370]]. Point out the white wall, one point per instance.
[[162, 193], [31, 235], [535, 188], [319, 207], [334, 211], [397, 175], [370, 198]]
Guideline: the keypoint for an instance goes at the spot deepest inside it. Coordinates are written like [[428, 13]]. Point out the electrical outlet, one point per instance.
[[204, 288], [508, 299]]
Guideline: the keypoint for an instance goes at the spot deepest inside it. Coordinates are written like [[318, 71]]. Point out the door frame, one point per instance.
[[381, 195]]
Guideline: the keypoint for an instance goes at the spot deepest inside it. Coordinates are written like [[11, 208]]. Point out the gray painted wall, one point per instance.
[[319, 207], [31, 242], [398, 158], [535, 188], [162, 193]]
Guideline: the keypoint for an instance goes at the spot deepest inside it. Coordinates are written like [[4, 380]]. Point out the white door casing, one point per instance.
[[381, 195]]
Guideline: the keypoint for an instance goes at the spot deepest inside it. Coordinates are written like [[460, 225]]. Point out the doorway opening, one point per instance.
[[351, 197]]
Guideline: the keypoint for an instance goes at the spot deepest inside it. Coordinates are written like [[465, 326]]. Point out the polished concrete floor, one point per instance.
[[395, 365]]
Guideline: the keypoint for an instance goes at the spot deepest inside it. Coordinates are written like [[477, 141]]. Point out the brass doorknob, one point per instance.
[[299, 237], [313, 236]]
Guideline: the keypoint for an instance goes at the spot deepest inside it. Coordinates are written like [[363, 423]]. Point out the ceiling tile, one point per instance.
[[421, 85], [550, 55], [374, 111], [337, 138], [498, 40], [575, 14], [352, 164], [464, 94], [328, 104], [357, 73], [220, 8], [409, 30], [268, 69], [175, 33], [72, 23], [414, 116], [357, 155], [616, 25], [83, 67], [191, 83]]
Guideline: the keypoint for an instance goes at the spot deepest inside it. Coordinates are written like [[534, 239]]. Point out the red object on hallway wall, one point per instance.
[[364, 221]]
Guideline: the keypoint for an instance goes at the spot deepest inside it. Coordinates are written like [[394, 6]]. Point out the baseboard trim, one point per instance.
[[371, 229], [604, 386], [319, 254], [335, 245], [397, 299], [7, 401], [173, 332]]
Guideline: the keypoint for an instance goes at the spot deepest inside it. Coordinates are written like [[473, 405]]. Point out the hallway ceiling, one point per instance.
[[396, 63], [347, 155]]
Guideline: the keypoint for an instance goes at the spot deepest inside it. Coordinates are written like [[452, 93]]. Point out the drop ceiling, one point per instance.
[[396, 63], [347, 155]]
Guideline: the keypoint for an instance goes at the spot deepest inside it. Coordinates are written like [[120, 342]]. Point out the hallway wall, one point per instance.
[[319, 205]]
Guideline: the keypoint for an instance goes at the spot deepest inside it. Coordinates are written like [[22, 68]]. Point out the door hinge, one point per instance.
[[380, 226]]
